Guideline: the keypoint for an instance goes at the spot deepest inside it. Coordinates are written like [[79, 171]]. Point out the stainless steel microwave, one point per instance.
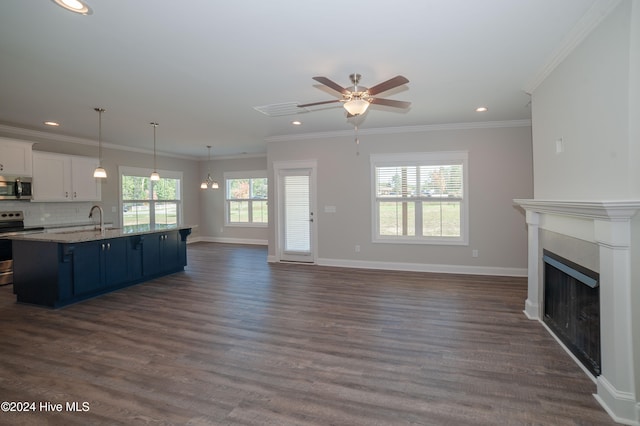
[[15, 188]]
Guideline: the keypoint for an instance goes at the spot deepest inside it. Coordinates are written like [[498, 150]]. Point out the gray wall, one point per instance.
[[500, 169], [592, 100]]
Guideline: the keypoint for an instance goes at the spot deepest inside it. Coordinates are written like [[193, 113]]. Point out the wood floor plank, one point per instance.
[[234, 340]]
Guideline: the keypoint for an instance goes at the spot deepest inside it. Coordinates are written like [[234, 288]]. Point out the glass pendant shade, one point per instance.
[[209, 182], [155, 176], [100, 172], [356, 106]]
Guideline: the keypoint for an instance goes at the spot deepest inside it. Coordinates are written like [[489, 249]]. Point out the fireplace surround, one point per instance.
[[608, 226]]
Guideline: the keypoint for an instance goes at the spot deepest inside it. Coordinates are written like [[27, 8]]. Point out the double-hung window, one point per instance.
[[246, 198], [148, 204], [420, 197]]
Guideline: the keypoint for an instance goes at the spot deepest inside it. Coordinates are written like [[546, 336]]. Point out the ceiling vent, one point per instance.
[[277, 110]]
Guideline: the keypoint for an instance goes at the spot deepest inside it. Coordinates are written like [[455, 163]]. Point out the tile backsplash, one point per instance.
[[51, 214]]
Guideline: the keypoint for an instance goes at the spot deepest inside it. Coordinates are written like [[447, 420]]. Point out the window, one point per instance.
[[246, 198], [420, 198], [147, 204]]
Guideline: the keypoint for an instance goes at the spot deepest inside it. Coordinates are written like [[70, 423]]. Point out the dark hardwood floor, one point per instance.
[[234, 340]]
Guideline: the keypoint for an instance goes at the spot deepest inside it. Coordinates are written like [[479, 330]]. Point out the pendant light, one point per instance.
[[154, 175], [100, 172], [209, 182]]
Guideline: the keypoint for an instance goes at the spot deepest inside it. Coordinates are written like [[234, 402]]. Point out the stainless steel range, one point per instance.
[[11, 223]]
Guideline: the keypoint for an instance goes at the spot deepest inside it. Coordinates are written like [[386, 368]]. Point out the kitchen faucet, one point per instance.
[[101, 228]]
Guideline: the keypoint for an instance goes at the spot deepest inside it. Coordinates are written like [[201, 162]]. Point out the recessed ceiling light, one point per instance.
[[482, 109], [296, 123], [75, 6], [52, 123]]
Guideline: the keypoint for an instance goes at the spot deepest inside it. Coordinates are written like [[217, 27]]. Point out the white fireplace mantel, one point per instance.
[[607, 223], [611, 210]]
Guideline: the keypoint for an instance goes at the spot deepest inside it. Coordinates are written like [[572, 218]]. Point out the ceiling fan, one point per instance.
[[356, 99]]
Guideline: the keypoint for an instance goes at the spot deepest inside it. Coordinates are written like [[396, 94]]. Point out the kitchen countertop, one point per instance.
[[83, 235]]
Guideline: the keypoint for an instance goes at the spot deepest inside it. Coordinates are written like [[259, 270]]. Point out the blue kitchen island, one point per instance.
[[57, 269]]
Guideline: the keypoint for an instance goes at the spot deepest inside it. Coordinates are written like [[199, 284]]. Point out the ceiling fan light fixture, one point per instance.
[[356, 106], [75, 6]]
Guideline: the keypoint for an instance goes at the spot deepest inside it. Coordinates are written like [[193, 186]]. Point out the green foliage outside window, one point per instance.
[[247, 200], [145, 202]]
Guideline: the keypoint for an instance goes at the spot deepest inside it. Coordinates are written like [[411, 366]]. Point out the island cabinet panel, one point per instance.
[[40, 274], [134, 258], [70, 272], [163, 252], [98, 265], [85, 261]]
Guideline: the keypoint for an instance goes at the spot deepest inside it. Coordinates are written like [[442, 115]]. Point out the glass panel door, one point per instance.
[[297, 215]]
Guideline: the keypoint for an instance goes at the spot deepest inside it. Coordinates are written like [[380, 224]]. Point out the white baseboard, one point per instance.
[[416, 267], [531, 310], [250, 241], [425, 267], [621, 406]]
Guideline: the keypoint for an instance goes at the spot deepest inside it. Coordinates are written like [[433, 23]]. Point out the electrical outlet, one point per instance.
[[221, 229], [357, 248], [474, 253]]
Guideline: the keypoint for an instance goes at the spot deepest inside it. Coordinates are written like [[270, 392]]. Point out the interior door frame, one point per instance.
[[279, 166]]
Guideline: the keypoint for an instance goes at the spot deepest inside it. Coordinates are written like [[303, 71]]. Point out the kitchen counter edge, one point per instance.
[[70, 237]]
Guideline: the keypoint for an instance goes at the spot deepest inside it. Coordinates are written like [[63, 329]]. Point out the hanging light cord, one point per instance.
[[100, 111], [154, 145]]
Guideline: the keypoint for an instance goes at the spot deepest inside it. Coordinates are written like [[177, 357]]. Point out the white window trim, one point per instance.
[[252, 174], [422, 159], [141, 171]]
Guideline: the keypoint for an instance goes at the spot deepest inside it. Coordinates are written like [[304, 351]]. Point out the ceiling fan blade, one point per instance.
[[390, 102], [318, 103], [331, 84], [388, 85]]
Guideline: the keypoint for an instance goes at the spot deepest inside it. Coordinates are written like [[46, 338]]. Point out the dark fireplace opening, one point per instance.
[[572, 308]]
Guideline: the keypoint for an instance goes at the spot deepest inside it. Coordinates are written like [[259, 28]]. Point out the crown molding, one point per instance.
[[40, 136], [589, 21], [404, 129]]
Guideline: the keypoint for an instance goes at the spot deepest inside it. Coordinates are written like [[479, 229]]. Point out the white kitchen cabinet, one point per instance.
[[15, 157], [58, 177]]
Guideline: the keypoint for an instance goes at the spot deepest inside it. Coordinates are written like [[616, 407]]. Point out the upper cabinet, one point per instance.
[[15, 157], [58, 177]]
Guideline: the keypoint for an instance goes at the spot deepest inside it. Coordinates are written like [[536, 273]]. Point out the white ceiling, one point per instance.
[[200, 67]]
